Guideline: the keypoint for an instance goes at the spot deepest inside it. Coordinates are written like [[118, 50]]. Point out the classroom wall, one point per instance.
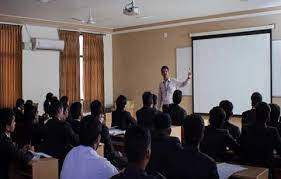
[[138, 56], [41, 67]]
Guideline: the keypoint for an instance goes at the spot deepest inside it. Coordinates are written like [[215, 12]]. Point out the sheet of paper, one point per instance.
[[225, 170], [115, 132]]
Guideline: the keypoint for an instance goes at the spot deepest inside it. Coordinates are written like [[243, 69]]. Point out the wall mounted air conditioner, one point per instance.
[[47, 44]]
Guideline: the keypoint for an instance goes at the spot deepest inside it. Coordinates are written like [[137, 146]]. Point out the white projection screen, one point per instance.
[[232, 67]]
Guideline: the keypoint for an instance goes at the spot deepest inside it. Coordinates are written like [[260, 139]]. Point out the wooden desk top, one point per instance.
[[251, 173]]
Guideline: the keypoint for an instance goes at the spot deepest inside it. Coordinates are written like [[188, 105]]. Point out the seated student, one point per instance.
[[154, 99], [146, 115], [28, 131], [19, 109], [58, 136], [227, 106], [120, 117], [275, 117], [216, 139], [83, 162], [138, 151], [176, 112], [162, 145], [259, 141], [76, 116], [8, 150], [190, 162], [64, 100], [114, 157], [248, 117], [45, 117]]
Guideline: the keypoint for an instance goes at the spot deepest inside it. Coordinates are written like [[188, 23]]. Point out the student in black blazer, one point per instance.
[[216, 139], [190, 162], [248, 117], [274, 120], [19, 110], [8, 150], [58, 136], [121, 118], [259, 141], [113, 156], [75, 116], [227, 106], [162, 145], [146, 115], [176, 112]]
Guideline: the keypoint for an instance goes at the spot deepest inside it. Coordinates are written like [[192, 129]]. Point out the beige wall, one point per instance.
[[138, 56]]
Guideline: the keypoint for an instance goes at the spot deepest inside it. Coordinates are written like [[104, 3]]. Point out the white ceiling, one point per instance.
[[108, 13]]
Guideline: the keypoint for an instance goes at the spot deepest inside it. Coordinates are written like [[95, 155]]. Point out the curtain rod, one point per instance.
[[98, 33], [81, 31]]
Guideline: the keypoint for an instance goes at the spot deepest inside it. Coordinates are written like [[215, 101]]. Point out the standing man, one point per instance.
[[167, 88]]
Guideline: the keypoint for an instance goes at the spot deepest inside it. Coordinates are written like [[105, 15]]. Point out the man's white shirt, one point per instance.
[[167, 88], [83, 162]]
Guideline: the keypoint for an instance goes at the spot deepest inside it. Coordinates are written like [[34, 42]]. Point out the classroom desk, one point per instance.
[[45, 168], [251, 173]]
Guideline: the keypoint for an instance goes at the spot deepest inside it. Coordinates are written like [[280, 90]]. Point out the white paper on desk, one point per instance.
[[115, 132], [225, 170], [38, 155]]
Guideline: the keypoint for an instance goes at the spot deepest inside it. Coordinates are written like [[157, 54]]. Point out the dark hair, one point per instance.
[[164, 67], [46, 106], [55, 107], [227, 106], [217, 117], [91, 128], [162, 121], [137, 142], [96, 108], [262, 112], [121, 102], [256, 98], [19, 102], [147, 98], [154, 99], [29, 102], [64, 99], [193, 129], [76, 110], [6, 118], [49, 96], [274, 114], [177, 96], [30, 113]]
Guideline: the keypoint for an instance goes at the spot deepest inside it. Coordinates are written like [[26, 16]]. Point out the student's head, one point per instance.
[[262, 112], [274, 114], [193, 129], [162, 123], [31, 113], [20, 103], [7, 120], [138, 145], [56, 109], [227, 106], [154, 100], [90, 133], [177, 96], [29, 102], [64, 100], [65, 112], [256, 98], [147, 99], [217, 117], [49, 96], [76, 110], [165, 72], [96, 108], [121, 102]]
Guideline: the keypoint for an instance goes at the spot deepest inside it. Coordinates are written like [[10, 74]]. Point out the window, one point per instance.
[[81, 67]]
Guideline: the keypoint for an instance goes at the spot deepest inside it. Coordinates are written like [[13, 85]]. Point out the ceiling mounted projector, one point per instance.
[[131, 10]]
